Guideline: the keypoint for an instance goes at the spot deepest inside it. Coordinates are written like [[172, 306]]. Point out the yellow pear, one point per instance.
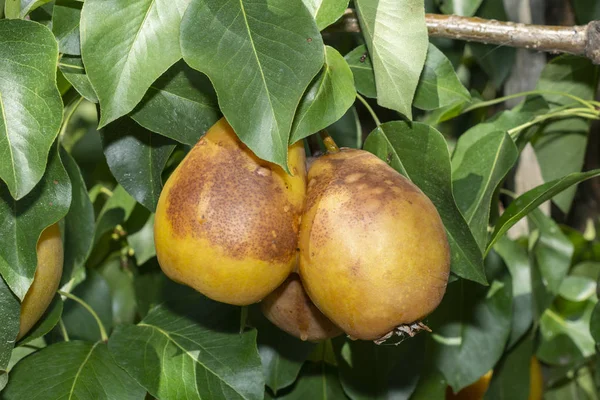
[[50, 256], [227, 222], [290, 309], [374, 256]]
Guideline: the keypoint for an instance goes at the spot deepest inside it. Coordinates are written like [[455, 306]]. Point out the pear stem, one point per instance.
[[243, 319], [63, 330], [85, 305], [329, 142]]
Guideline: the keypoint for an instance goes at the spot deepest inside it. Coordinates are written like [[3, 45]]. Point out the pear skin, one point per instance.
[[373, 250], [227, 222], [50, 257], [292, 311]]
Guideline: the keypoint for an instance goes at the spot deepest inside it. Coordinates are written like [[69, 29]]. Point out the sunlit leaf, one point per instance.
[[71, 370], [531, 199], [138, 51], [396, 36], [327, 98], [326, 12], [362, 69], [29, 119], [196, 354], [66, 15], [260, 56], [439, 85], [181, 105], [479, 164]]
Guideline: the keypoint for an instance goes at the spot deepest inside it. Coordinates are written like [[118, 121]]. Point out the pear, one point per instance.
[[227, 222], [50, 257], [290, 309], [374, 257]]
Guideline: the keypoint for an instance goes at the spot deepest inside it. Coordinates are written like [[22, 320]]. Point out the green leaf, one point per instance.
[[71, 370], [46, 322], [560, 145], [396, 37], [12, 9], [73, 70], [117, 273], [531, 199], [362, 70], [29, 119], [347, 131], [23, 222], [439, 85], [420, 153], [181, 105], [511, 377], [282, 355], [327, 98], [517, 261], [465, 8], [577, 288], [370, 371], [80, 324], [586, 10], [28, 6], [496, 61], [431, 385], [142, 241], [479, 164], [552, 252], [116, 210], [42, 13], [196, 353], [138, 52], [326, 12], [574, 327], [136, 158], [318, 381], [79, 224], [260, 56], [66, 15], [9, 329], [471, 317], [595, 323]]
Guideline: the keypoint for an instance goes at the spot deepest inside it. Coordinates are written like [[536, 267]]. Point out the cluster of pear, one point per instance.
[[351, 246]]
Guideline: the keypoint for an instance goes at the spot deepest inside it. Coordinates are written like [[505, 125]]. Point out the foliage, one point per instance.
[[100, 101]]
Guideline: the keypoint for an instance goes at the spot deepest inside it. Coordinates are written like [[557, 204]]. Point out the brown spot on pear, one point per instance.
[[220, 224], [290, 309], [50, 257], [370, 260]]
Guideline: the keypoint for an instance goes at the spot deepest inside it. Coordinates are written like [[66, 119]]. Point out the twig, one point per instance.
[[581, 40]]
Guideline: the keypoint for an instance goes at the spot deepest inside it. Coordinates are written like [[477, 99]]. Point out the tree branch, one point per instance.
[[581, 40]]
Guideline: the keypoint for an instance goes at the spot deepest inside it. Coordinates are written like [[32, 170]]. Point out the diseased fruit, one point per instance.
[[50, 256], [227, 222], [373, 249], [476, 391], [290, 309]]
